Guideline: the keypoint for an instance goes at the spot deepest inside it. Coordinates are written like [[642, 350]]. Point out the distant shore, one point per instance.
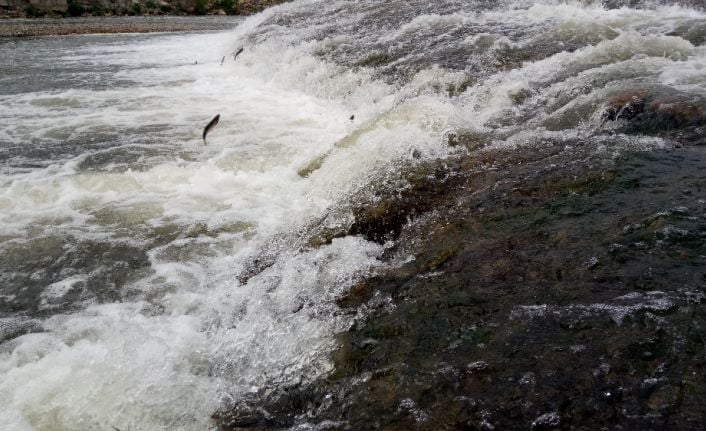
[[60, 17], [25, 27]]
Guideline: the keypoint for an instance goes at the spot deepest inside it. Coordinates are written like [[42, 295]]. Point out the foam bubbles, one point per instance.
[[141, 231]]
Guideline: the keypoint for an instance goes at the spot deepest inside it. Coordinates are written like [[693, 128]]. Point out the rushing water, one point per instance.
[[124, 239]]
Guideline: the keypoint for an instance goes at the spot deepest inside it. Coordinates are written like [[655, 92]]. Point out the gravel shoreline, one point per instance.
[[98, 25]]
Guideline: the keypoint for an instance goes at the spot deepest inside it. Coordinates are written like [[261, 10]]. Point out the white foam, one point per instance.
[[189, 336], [56, 291], [434, 23], [122, 365]]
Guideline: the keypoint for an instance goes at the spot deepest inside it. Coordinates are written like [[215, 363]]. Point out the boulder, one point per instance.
[[655, 109]]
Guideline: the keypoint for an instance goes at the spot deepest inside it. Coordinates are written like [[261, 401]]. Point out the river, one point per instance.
[[148, 278]]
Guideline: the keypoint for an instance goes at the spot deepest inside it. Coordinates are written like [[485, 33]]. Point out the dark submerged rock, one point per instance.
[[655, 110], [571, 281]]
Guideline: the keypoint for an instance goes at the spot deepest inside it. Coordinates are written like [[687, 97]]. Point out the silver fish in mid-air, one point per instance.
[[237, 53], [210, 126]]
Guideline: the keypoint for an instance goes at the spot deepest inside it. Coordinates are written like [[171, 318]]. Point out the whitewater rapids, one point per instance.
[[123, 239]]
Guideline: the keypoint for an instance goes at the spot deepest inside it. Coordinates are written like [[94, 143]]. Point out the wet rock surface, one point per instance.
[[555, 287], [656, 109]]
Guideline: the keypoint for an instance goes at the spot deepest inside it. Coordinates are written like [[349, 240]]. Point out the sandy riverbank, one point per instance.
[[93, 25]]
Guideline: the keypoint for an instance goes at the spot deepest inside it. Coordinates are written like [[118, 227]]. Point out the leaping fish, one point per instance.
[[237, 53], [210, 126]]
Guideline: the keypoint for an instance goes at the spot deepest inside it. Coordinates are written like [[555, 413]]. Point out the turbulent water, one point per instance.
[[146, 278]]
